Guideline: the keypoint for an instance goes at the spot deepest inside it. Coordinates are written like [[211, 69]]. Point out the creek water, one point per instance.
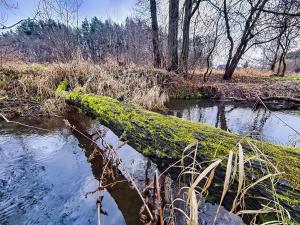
[[45, 175], [279, 127]]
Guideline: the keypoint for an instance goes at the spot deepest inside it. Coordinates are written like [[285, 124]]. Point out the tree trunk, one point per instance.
[[184, 57], [231, 66], [164, 138], [273, 64], [284, 65], [155, 34], [279, 65], [173, 35]]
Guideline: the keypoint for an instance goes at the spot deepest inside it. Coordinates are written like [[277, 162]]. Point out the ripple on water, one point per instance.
[[43, 179]]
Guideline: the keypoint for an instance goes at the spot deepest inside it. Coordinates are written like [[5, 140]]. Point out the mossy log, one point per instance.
[[165, 137]]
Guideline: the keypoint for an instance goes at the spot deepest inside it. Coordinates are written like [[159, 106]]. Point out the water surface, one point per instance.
[[45, 175], [279, 127]]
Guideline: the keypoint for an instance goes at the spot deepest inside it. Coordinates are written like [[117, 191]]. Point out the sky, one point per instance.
[[117, 10]]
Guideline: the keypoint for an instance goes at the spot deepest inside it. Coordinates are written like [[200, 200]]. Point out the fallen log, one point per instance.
[[165, 137]]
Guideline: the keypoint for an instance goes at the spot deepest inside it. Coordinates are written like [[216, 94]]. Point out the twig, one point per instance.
[[99, 214], [119, 161], [22, 124], [297, 132]]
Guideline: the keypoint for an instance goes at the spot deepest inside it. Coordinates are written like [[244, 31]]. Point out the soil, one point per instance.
[[246, 87], [276, 93], [13, 107]]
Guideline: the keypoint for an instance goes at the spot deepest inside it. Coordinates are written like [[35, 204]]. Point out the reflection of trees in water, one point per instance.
[[255, 125], [178, 114], [260, 119], [122, 191], [200, 110], [221, 117]]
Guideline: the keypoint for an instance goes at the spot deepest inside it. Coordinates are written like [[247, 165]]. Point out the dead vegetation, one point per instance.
[[37, 82], [197, 179], [28, 88], [195, 182], [246, 85]]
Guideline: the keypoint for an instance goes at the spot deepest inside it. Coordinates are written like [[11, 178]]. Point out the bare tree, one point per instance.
[[190, 8], [155, 35], [249, 24], [173, 35], [7, 6], [285, 44], [287, 28]]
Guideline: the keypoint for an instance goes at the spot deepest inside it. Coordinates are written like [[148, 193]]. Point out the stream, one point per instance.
[[278, 127], [45, 175]]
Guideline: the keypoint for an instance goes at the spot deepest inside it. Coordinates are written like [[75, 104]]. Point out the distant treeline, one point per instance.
[[48, 41], [294, 54], [95, 40]]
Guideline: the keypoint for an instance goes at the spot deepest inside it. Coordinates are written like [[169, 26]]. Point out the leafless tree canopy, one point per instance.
[[178, 35]]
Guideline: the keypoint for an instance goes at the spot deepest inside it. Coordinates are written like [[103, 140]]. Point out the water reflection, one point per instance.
[[125, 197], [44, 176], [244, 120]]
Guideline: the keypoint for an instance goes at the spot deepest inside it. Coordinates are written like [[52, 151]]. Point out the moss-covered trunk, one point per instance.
[[161, 136]]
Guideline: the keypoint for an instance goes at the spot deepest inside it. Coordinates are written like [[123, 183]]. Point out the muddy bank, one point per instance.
[[276, 93], [165, 137], [30, 89]]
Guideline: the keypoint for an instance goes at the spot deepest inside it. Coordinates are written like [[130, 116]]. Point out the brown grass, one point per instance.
[[39, 81], [240, 72], [190, 192]]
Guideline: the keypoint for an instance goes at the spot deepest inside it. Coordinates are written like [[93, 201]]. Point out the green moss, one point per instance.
[[166, 136], [40, 98], [265, 218], [61, 87], [286, 78], [285, 198], [161, 136], [185, 94]]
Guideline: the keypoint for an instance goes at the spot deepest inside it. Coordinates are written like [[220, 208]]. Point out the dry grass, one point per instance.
[[39, 81], [240, 72], [198, 178]]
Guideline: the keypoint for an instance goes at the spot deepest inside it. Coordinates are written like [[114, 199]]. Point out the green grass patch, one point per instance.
[[286, 78]]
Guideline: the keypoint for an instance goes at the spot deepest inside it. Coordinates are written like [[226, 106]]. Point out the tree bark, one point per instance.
[[186, 36], [273, 64], [155, 35], [250, 25], [163, 137], [231, 66], [284, 66], [173, 35], [279, 65]]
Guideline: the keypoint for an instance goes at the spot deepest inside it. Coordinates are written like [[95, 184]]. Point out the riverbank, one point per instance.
[[159, 137], [30, 89], [247, 85], [164, 138], [27, 89]]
